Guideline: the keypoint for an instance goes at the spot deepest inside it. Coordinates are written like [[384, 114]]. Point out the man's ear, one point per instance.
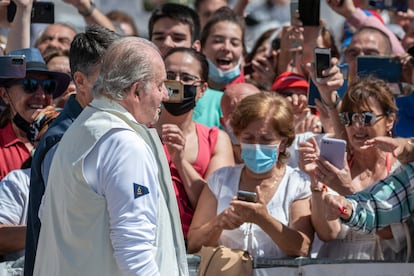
[[81, 80], [135, 89], [4, 95], [196, 45]]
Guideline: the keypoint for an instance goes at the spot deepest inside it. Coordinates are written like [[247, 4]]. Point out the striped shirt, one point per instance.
[[388, 201]]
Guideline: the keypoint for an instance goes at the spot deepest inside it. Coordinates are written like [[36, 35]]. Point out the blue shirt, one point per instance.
[[52, 136], [403, 127]]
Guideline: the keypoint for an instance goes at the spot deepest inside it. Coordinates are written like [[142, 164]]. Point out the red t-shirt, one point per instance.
[[13, 152], [207, 139]]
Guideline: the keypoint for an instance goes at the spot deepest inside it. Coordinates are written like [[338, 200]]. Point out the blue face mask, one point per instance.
[[259, 158], [222, 77]]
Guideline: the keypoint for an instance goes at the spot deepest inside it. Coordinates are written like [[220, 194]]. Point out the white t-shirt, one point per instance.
[[14, 201], [224, 183]]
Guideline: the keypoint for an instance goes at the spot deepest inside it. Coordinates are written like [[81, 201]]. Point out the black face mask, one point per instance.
[[21, 123], [188, 103]]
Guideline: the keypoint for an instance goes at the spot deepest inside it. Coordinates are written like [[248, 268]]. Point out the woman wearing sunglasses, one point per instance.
[[25, 97], [367, 110]]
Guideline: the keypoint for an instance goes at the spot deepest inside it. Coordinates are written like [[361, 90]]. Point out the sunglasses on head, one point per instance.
[[363, 118], [30, 85]]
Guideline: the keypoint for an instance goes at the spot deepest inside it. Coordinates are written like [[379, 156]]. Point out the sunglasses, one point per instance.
[[362, 118], [30, 86], [184, 77]]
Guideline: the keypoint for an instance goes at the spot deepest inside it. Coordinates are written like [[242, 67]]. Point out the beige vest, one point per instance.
[[91, 252]]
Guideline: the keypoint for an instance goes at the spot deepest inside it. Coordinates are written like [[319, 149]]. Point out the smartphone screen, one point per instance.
[[246, 196], [385, 68], [322, 60], [309, 12]]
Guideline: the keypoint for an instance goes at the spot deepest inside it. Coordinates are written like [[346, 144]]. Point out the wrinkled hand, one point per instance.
[[174, 139], [387, 144], [308, 154], [300, 105], [336, 207], [229, 219], [264, 71], [332, 80], [339, 180], [250, 211], [310, 123]]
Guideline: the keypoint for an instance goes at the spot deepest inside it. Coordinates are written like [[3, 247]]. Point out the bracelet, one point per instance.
[[319, 189], [335, 104], [90, 11]]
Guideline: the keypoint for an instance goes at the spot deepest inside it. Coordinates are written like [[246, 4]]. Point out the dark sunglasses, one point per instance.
[[363, 118], [30, 86]]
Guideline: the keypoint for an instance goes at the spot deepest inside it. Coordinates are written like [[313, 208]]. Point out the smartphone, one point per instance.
[[13, 66], [333, 150], [385, 68], [322, 61], [313, 92], [393, 5], [309, 12], [42, 12], [246, 196], [175, 91], [294, 6]]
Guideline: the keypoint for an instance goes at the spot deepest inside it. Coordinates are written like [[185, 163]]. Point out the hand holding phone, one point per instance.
[[247, 196], [42, 12], [333, 150]]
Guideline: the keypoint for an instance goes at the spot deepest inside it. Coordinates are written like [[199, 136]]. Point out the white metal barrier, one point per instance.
[[319, 267]]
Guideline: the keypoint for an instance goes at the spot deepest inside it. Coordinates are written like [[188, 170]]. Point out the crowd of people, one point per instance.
[[121, 154]]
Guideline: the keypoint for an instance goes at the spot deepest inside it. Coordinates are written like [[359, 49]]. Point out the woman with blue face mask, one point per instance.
[[274, 223], [222, 42], [193, 150]]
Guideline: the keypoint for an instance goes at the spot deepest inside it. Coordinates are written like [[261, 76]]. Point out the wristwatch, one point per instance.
[[335, 104]]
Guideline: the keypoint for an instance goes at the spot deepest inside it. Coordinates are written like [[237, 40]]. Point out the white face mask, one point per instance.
[[223, 77]]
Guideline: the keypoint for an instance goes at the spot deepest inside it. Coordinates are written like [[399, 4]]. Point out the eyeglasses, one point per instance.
[[362, 118], [184, 77], [30, 86]]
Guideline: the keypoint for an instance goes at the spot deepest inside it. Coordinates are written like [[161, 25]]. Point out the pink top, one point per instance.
[[207, 139]]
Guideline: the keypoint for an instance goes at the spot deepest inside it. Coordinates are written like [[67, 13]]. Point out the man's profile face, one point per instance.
[[168, 33]]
